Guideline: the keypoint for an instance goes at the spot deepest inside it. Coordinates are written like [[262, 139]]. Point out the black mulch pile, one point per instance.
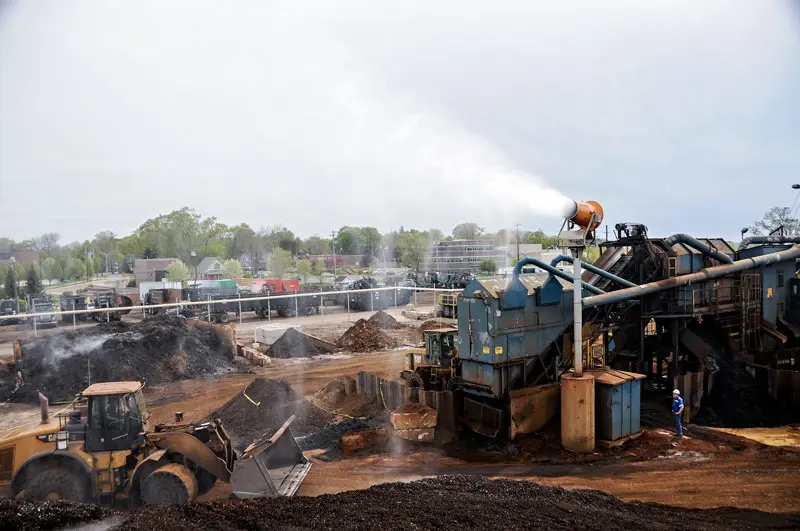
[[156, 350], [292, 344], [263, 407], [448, 502], [736, 401], [34, 516], [329, 436]]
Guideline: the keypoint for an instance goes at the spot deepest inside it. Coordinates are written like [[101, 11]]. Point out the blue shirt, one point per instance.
[[677, 404]]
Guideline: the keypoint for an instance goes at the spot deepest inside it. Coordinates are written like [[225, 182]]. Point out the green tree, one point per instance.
[[435, 235], [178, 272], [89, 268], [75, 268], [488, 266], [317, 268], [303, 268], [46, 243], [21, 271], [539, 236], [238, 240], [33, 286], [316, 245], [51, 269], [232, 269], [467, 231], [413, 247], [180, 232], [279, 262], [775, 218], [10, 282], [349, 240]]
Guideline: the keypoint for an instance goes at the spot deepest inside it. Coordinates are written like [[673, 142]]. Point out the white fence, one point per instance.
[[207, 303]]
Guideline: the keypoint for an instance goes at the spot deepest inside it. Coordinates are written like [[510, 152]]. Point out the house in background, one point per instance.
[[151, 269], [210, 268]]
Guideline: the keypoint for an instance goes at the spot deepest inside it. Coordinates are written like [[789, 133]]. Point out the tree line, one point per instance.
[[190, 237]]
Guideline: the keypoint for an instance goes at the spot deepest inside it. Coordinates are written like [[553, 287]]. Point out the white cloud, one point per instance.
[[319, 114]]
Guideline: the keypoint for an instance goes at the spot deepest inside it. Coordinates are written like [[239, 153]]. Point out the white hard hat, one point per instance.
[[675, 392]]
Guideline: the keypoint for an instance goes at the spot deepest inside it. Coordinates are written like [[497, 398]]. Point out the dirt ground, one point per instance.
[[737, 470]]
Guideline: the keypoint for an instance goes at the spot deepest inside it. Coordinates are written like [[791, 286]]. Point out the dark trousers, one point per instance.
[[678, 426]]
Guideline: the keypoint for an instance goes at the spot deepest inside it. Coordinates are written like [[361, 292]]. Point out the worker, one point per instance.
[[677, 411]]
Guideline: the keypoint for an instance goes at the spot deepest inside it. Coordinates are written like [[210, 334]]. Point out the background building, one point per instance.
[[464, 256], [151, 269]]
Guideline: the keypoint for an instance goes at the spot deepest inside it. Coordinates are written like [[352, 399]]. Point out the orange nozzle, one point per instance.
[[587, 214]]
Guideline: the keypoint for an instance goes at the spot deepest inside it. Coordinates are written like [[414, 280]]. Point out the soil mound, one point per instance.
[[446, 502], [156, 350], [334, 397], [433, 324], [736, 401], [384, 321], [364, 337], [292, 344], [263, 407]]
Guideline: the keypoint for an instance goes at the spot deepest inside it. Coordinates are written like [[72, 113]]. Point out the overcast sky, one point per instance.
[[679, 114]]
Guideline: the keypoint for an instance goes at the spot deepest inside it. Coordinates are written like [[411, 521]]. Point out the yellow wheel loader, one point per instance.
[[104, 451]]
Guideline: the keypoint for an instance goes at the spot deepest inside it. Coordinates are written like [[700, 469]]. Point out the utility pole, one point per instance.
[[517, 242], [333, 247]]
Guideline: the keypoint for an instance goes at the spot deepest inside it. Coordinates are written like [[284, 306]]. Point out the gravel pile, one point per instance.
[[364, 337], [156, 350], [384, 321], [292, 344], [447, 502], [263, 407]]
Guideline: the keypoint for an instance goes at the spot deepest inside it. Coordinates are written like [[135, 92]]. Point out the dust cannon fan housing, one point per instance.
[[585, 214]]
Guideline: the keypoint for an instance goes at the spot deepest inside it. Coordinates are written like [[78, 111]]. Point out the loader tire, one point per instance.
[[171, 484], [57, 483]]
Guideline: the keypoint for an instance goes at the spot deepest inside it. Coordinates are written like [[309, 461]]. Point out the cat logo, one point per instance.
[[47, 438]]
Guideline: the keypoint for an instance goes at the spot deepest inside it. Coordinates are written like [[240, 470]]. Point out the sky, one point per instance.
[[678, 114]]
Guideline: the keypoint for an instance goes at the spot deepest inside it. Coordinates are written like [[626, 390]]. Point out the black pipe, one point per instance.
[[596, 270], [552, 270], [768, 239], [700, 276], [697, 245]]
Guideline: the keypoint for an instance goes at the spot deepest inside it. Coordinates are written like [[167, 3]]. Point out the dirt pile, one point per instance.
[[292, 344], [384, 321], [433, 324], [364, 337], [736, 401], [334, 398], [156, 350], [263, 407], [447, 502]]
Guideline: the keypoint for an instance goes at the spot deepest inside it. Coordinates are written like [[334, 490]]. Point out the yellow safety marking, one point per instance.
[[498, 350], [485, 350]]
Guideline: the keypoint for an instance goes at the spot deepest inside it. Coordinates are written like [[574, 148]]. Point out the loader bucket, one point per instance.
[[271, 466]]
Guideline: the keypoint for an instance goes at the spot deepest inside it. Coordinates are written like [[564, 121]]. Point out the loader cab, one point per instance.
[[440, 346], [117, 415]]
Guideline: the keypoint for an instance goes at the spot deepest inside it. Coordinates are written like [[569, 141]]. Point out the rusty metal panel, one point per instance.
[[532, 408]]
